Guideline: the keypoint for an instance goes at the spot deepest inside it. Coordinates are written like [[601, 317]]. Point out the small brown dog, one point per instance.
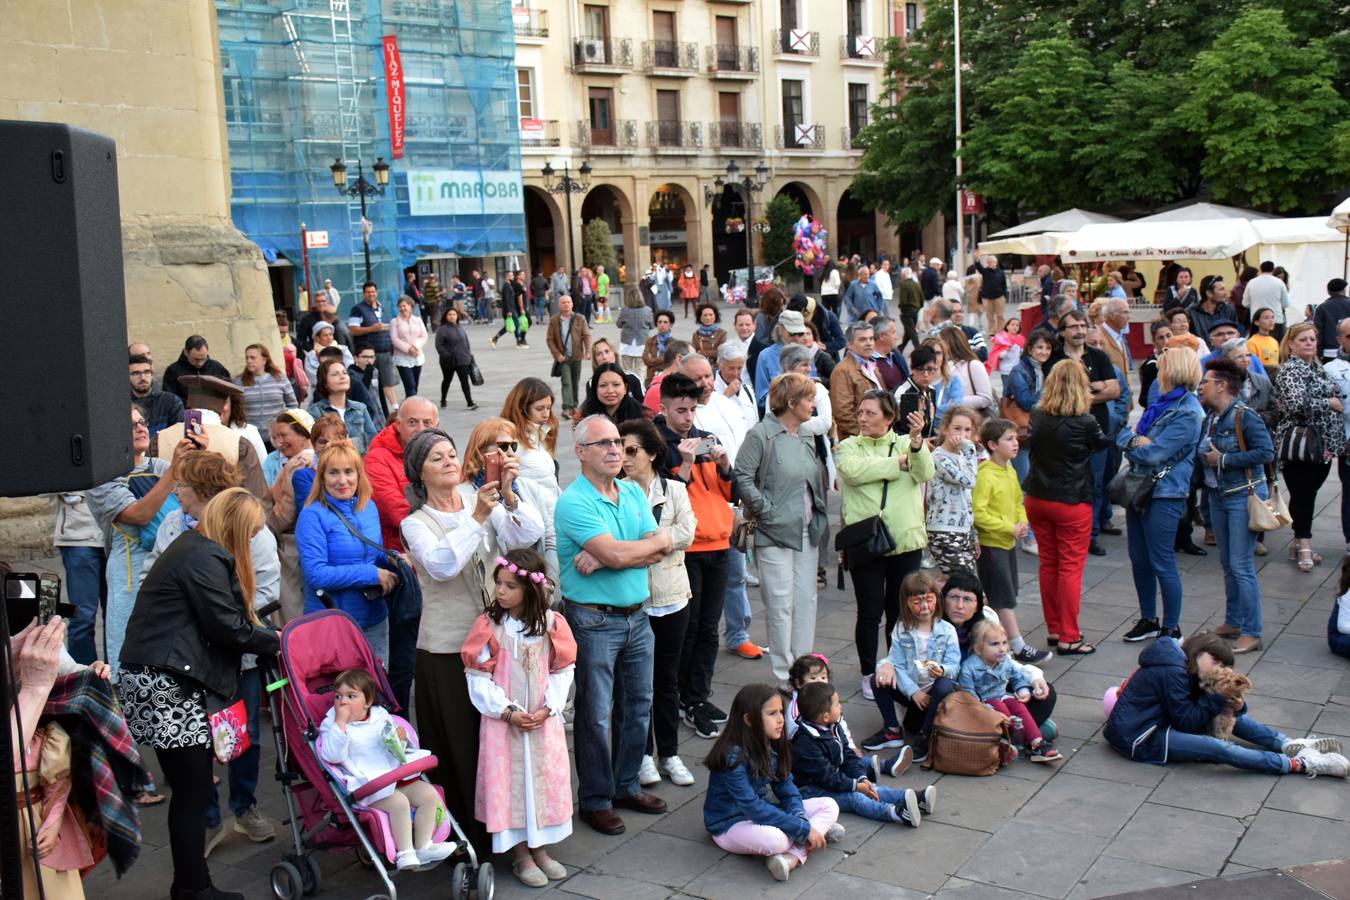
[[1232, 686]]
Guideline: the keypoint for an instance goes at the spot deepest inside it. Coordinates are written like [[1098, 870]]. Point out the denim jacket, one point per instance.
[[943, 647], [1008, 677], [1173, 439], [1231, 474], [736, 795]]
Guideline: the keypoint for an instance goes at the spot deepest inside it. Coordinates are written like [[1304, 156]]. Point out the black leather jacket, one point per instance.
[[189, 617], [1061, 450]]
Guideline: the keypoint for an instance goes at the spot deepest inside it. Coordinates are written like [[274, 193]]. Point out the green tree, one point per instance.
[[597, 246], [1010, 157], [1265, 110], [782, 212]]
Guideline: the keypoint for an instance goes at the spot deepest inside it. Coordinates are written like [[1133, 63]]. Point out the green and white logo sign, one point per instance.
[[464, 192]]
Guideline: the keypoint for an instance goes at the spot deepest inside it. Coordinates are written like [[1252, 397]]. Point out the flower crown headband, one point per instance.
[[536, 577]]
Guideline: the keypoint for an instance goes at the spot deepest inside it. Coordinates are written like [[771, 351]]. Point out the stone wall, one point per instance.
[[147, 74]]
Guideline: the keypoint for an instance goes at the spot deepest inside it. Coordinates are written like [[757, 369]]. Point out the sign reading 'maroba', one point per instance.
[[464, 192]]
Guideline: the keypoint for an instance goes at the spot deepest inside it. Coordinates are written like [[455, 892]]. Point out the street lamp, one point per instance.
[[362, 189], [568, 185], [749, 187]]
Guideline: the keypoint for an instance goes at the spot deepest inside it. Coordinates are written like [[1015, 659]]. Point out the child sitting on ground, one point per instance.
[[824, 766], [752, 757], [814, 668], [1000, 682], [360, 737], [1000, 521]]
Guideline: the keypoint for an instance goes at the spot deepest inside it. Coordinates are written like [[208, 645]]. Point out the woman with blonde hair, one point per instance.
[[1059, 495], [782, 487], [1161, 446], [194, 619], [338, 536], [977, 392], [499, 436], [529, 408]]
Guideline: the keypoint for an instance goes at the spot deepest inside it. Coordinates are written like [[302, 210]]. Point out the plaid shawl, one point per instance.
[[106, 771]]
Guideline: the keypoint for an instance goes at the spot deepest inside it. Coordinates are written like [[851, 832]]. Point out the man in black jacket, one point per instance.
[[1328, 316], [194, 360], [930, 279], [161, 409]]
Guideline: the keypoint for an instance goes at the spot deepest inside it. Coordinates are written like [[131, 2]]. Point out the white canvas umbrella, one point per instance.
[[1206, 239], [1068, 221], [1197, 212]]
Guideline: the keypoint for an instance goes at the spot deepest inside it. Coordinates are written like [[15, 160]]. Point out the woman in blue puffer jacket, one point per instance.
[[1162, 446], [1025, 383], [335, 560]]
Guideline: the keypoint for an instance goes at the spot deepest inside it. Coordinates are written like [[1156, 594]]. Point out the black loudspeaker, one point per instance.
[[65, 412]]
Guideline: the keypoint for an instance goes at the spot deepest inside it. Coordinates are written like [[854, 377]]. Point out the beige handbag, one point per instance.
[[1262, 515]]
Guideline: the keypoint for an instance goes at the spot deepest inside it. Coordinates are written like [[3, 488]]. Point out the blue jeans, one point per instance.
[[402, 660], [243, 775], [880, 810], [1109, 469], [88, 590], [736, 607], [1339, 643], [1183, 747], [1152, 534], [1237, 555], [1099, 500], [613, 702], [917, 721]]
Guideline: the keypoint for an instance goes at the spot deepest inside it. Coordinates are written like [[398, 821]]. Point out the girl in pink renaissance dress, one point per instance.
[[519, 658]]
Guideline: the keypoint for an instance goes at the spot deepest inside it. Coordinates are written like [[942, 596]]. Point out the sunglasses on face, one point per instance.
[[631, 451], [507, 446]]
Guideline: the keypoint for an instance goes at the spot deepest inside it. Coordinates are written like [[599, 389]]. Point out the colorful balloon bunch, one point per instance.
[[808, 242]]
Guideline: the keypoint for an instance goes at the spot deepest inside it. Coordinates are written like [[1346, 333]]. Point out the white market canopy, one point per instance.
[[1200, 212], [1067, 221], [1046, 244], [1144, 239], [1340, 217]]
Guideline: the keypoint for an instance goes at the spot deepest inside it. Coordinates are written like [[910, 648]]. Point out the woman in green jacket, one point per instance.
[[877, 465], [783, 488]]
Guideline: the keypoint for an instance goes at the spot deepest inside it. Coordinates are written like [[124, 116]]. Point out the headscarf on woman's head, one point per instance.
[[415, 454]]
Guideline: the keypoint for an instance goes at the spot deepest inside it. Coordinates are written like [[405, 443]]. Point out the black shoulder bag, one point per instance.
[[867, 539]]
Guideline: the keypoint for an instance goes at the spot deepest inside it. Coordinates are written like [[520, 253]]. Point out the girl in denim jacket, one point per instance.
[[751, 758], [1002, 684], [919, 670]]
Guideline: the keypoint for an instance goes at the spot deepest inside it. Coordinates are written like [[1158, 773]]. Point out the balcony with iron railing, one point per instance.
[[733, 61], [860, 48], [620, 137], [674, 136], [530, 24], [539, 134], [736, 137], [672, 58], [792, 42], [852, 134], [593, 54], [799, 137]]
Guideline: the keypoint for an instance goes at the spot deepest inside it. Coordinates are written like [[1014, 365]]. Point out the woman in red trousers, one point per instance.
[[1059, 492]]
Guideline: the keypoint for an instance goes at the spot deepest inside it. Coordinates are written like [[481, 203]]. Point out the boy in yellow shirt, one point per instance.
[[1000, 519]]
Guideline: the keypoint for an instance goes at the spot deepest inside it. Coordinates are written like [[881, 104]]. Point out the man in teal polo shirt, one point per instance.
[[606, 539]]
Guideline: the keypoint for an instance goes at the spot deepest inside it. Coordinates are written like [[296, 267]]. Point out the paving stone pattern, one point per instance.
[[1094, 825]]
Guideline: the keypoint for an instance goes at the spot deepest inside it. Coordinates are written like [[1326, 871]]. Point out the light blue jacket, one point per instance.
[[1173, 440], [1008, 677], [943, 647], [946, 394]]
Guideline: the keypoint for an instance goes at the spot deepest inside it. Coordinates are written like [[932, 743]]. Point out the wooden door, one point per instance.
[[601, 101], [729, 118]]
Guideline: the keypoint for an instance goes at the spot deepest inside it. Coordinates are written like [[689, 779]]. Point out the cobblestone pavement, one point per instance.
[[1093, 825]]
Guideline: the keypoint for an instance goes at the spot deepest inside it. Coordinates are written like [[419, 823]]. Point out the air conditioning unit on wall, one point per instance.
[[593, 50]]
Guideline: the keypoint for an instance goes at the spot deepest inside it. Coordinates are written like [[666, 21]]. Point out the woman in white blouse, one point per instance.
[[529, 407], [452, 534]]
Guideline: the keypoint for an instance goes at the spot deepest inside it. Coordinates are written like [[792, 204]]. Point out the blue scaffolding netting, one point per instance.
[[304, 84]]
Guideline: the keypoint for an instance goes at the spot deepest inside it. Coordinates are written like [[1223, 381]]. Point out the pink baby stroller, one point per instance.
[[323, 816]]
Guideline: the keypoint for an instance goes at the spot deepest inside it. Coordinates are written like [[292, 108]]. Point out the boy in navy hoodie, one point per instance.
[[824, 766]]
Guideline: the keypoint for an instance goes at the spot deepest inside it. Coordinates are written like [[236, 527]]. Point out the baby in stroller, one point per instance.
[[362, 742]]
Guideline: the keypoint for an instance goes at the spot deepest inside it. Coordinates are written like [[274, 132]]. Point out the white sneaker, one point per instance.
[[1333, 764], [647, 773], [675, 770], [780, 866], [1031, 548], [407, 860], [1295, 746], [835, 834], [867, 687], [435, 852]]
